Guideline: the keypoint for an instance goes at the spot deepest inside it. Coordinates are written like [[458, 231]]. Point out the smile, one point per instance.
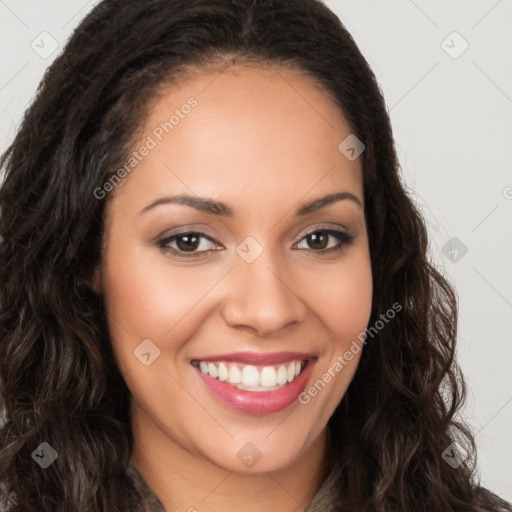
[[251, 384], [252, 378]]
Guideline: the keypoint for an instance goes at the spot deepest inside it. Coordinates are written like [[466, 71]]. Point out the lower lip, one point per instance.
[[258, 402]]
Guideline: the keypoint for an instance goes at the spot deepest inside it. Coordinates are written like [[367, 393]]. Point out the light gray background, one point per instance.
[[452, 119]]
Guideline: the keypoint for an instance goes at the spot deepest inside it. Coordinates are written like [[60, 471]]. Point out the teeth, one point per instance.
[[291, 372], [252, 378], [235, 375], [282, 375], [268, 377], [223, 372], [212, 370]]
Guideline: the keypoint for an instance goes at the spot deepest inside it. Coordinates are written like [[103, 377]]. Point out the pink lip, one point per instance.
[[256, 358], [257, 402]]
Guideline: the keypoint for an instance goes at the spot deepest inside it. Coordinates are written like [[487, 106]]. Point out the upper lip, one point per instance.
[[257, 358]]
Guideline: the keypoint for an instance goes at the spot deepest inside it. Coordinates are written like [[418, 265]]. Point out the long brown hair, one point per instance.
[[60, 384]]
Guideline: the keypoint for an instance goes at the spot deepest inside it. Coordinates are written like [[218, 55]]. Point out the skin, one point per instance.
[[263, 141]]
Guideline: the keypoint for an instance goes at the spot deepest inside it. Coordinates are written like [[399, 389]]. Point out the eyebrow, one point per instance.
[[219, 208]]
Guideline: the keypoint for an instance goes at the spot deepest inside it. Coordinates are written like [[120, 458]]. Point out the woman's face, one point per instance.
[[266, 279]]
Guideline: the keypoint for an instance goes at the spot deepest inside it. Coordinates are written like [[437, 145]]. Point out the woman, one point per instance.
[[215, 288]]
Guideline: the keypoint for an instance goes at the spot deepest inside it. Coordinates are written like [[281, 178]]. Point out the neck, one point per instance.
[[185, 481]]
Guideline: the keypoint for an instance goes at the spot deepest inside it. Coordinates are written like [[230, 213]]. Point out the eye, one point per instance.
[[191, 242], [319, 240]]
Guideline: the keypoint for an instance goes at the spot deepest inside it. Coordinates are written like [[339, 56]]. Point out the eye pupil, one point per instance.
[[190, 242], [319, 240]]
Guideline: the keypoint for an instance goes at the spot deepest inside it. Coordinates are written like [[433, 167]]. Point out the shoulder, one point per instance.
[[490, 501]]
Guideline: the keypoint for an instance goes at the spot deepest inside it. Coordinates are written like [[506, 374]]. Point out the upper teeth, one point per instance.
[[251, 377]]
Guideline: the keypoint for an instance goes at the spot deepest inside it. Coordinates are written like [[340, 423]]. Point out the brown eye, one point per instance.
[[318, 241], [179, 244], [187, 242]]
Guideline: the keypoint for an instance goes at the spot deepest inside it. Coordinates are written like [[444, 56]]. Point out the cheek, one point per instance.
[[344, 299], [345, 304], [350, 308], [145, 299], [144, 296]]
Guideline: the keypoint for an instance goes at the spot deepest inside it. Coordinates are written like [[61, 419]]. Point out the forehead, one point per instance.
[[266, 133]]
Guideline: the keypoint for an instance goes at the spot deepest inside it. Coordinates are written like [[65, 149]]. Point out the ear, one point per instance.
[[95, 281]]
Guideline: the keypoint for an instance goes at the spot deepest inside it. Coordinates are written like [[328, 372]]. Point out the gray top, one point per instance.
[[324, 500]]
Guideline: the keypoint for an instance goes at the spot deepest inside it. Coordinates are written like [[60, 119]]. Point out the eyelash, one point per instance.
[[343, 238]]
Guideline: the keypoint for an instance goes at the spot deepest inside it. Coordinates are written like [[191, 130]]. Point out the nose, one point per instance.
[[261, 297]]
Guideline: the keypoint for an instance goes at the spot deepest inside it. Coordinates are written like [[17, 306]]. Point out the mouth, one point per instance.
[[249, 383], [252, 378]]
